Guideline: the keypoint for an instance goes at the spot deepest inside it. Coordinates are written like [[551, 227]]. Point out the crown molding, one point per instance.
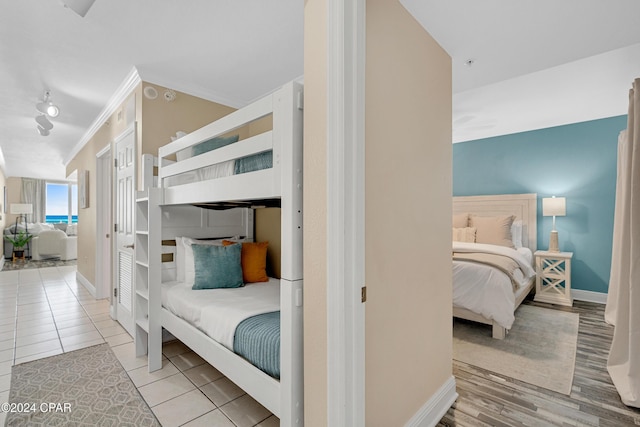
[[128, 85]]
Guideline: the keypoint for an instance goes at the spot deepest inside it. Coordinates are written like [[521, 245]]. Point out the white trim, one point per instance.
[[434, 409], [127, 86], [87, 284], [1, 262], [104, 150], [345, 212], [103, 167], [589, 296]]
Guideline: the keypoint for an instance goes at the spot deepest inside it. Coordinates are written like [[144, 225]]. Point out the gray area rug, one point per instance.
[[540, 349], [86, 387], [28, 264]]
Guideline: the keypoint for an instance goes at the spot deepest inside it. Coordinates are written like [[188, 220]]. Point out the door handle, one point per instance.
[[131, 246]]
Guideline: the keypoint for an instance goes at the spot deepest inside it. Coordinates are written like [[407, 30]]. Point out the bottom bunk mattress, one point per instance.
[[245, 320]]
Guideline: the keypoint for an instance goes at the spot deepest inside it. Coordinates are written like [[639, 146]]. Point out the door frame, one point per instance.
[[103, 213], [346, 38]]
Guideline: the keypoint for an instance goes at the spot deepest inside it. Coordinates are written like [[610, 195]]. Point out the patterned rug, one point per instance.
[[86, 387], [540, 349], [20, 264]]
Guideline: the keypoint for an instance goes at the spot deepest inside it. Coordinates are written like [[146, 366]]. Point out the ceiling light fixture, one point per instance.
[[47, 106], [47, 109]]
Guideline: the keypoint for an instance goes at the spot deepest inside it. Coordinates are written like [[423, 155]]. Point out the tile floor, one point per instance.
[[44, 312]]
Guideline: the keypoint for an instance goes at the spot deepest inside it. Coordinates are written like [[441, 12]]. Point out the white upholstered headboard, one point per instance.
[[523, 206]]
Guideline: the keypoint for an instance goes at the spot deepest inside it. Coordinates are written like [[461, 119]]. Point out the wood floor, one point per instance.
[[488, 399]]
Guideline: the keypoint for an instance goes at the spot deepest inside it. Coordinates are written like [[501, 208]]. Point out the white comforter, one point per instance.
[[486, 290], [217, 312]]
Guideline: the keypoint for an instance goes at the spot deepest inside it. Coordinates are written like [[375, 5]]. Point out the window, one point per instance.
[[62, 202]]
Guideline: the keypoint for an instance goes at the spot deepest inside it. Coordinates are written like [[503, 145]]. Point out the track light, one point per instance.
[[47, 106], [47, 109]]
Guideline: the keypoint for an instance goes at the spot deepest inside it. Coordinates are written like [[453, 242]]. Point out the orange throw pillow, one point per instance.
[[254, 261]]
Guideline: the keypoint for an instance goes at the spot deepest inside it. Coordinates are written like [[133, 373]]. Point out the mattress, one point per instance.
[[487, 291], [242, 165], [219, 312]]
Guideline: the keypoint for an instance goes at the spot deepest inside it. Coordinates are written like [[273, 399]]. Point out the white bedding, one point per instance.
[[486, 290], [217, 312], [219, 170]]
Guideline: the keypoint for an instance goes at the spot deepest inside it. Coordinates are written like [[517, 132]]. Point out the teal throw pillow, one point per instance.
[[217, 266], [213, 144]]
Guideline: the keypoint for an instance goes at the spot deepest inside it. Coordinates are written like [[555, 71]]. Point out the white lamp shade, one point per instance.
[[21, 208], [554, 206]]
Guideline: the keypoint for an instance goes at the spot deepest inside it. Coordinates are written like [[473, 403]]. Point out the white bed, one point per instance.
[[183, 182], [483, 293], [217, 312]]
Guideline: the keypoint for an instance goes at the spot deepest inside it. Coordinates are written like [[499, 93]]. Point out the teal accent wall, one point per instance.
[[577, 161]]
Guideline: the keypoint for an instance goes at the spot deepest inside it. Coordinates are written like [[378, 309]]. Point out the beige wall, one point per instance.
[[86, 160], [267, 229], [14, 188], [315, 213], [161, 119], [408, 215]]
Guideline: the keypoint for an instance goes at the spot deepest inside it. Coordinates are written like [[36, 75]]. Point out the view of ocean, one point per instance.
[[60, 218]]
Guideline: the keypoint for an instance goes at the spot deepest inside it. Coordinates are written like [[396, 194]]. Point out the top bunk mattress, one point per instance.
[[218, 312], [252, 163]]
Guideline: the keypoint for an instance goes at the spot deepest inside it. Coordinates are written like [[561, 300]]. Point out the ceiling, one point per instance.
[[536, 63]]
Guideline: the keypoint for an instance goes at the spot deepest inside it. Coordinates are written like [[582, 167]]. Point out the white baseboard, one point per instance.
[[87, 284], [589, 296], [434, 409]]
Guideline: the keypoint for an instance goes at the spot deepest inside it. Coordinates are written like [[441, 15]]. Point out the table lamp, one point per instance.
[[554, 206]]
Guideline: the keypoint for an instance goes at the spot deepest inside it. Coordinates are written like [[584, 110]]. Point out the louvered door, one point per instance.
[[125, 197]]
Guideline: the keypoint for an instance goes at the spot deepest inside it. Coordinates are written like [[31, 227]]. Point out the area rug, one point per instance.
[[86, 387], [28, 264], [540, 349]]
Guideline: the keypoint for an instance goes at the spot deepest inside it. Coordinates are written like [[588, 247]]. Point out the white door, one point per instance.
[[125, 162]]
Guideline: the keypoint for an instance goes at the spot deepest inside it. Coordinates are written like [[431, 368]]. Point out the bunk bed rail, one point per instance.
[[260, 184]]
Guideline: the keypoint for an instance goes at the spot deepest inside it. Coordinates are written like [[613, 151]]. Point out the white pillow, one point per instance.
[[183, 154], [516, 233]]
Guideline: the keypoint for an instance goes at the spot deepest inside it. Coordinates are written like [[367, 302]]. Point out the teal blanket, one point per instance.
[[257, 339]]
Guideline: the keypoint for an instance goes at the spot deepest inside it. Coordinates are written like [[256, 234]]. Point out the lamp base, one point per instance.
[[553, 241]]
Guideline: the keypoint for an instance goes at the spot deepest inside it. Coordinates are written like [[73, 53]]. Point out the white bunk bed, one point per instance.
[[523, 207], [281, 185]]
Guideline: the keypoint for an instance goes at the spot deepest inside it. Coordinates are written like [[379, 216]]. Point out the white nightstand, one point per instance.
[[553, 277]]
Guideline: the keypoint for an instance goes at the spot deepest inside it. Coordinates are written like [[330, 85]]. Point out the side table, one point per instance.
[[553, 277]]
